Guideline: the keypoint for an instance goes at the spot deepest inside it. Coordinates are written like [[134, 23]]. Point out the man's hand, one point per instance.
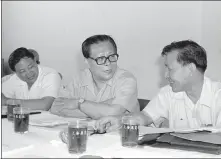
[[108, 124], [142, 118]]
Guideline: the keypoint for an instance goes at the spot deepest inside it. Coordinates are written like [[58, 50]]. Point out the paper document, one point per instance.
[[143, 130], [208, 129], [46, 119], [214, 138]]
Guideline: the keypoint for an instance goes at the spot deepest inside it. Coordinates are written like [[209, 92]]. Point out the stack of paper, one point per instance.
[[143, 130]]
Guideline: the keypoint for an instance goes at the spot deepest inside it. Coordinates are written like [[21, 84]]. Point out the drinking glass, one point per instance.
[[21, 119], [129, 131], [77, 136], [11, 104]]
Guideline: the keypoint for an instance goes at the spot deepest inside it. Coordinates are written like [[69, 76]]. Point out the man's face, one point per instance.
[[176, 74], [27, 70], [105, 71]]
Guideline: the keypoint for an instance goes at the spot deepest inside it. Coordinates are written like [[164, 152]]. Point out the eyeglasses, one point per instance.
[[102, 60]]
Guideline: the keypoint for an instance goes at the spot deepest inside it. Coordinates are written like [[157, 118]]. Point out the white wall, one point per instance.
[[141, 29], [211, 37]]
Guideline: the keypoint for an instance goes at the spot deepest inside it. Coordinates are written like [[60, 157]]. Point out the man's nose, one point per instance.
[[29, 73], [107, 62]]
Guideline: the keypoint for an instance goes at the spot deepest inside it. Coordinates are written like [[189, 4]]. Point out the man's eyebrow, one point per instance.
[[31, 64]]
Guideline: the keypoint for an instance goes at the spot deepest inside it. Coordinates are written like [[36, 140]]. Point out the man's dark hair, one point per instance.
[[17, 55], [95, 40], [189, 52], [36, 55]]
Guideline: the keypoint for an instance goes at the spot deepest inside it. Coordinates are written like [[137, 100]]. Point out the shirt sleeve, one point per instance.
[[8, 87], [158, 108], [126, 94], [73, 89], [217, 110], [5, 78], [51, 85]]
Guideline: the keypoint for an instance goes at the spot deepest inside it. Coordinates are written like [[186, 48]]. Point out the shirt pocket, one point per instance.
[[180, 119]]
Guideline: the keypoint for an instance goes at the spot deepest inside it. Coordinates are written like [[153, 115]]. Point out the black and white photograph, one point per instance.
[[110, 79]]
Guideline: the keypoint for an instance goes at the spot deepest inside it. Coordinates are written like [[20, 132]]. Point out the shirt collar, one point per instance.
[[39, 74], [206, 94]]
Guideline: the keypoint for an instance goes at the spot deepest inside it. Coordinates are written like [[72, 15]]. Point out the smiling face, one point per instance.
[[176, 74], [106, 71], [27, 70]]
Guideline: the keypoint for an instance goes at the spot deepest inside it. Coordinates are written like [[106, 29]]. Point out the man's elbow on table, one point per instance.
[[47, 103]]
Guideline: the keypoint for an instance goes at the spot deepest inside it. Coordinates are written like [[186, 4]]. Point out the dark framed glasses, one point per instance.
[[102, 60]]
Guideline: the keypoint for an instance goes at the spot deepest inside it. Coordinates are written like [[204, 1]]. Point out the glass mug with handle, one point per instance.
[[75, 136]]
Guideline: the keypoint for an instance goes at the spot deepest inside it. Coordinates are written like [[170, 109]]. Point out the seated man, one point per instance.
[[36, 86], [191, 100], [103, 89]]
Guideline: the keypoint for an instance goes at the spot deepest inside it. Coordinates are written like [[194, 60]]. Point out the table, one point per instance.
[[45, 142]]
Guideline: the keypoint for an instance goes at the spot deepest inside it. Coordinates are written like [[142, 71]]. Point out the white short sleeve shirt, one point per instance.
[[47, 84], [182, 112]]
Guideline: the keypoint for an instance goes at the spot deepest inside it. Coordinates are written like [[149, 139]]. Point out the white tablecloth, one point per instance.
[[45, 142]]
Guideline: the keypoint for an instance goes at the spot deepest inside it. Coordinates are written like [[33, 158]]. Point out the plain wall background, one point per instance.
[[141, 29]]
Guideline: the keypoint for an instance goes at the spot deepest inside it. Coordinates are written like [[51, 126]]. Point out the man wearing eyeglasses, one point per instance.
[[101, 90]]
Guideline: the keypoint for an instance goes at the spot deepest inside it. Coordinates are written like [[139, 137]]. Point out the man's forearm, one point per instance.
[[37, 104], [98, 110]]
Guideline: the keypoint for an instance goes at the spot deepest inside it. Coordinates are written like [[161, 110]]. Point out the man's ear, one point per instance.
[[192, 67]]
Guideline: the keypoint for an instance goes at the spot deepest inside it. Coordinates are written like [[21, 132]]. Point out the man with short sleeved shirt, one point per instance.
[[103, 89], [182, 112], [191, 100], [36, 86]]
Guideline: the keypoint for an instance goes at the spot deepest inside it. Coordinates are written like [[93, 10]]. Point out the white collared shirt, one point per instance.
[[182, 112], [47, 84], [121, 89]]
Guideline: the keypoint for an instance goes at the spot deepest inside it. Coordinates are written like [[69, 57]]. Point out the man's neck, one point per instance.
[[29, 85], [98, 85], [194, 91]]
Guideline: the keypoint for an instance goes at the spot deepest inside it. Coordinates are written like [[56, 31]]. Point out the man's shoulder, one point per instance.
[[12, 81], [9, 78], [47, 70], [213, 85], [124, 74], [82, 76]]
